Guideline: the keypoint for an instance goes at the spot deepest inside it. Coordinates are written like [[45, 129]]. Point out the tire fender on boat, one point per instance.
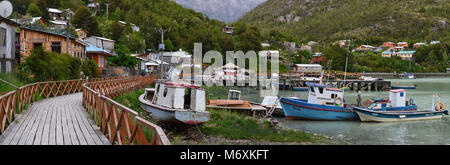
[[440, 106], [338, 99]]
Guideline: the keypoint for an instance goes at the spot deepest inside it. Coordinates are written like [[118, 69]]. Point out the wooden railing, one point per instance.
[[119, 123], [15, 101]]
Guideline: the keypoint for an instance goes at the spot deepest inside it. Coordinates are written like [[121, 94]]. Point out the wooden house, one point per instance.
[[8, 44], [318, 58], [402, 44], [55, 14], [416, 45], [228, 30], [308, 68], [388, 44], [50, 41]]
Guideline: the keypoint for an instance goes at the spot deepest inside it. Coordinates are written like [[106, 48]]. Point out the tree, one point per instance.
[[116, 30], [42, 4], [90, 69], [34, 10], [83, 19], [168, 45]]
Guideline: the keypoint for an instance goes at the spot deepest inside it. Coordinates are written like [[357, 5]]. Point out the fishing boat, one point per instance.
[[404, 87], [175, 102], [323, 103], [327, 104], [406, 76], [371, 114], [396, 102], [300, 88], [367, 115], [235, 103]]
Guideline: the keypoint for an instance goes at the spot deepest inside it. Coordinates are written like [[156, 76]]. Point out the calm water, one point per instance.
[[354, 132]]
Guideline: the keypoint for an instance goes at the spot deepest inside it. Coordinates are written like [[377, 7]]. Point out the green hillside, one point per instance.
[[186, 26], [367, 21]]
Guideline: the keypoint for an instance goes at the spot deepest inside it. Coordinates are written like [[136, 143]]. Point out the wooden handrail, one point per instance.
[[119, 123], [15, 101]]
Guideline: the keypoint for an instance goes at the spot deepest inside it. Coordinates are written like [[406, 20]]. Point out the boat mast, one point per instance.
[[346, 56]]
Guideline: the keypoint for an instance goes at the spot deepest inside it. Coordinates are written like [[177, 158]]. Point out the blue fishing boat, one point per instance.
[[367, 115], [323, 103], [326, 103]]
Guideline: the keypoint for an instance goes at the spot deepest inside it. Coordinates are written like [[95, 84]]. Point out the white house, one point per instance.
[[103, 43], [308, 68], [7, 44], [177, 57]]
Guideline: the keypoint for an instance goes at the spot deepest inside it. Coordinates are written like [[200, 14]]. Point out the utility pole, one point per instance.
[[107, 7], [161, 48], [67, 31]]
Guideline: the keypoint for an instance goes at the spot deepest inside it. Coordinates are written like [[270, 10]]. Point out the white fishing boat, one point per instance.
[[175, 102]]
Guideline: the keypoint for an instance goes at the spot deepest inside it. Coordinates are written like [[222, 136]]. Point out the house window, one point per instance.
[[36, 45], [401, 94], [2, 37], [56, 47]]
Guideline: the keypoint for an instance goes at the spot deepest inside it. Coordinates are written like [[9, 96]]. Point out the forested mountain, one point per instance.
[[224, 10], [186, 25], [367, 21]]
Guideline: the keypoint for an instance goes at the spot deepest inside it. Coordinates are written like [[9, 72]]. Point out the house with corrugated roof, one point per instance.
[[99, 55], [8, 44]]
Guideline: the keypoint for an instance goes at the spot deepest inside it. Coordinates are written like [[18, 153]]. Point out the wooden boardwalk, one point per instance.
[[60, 120]]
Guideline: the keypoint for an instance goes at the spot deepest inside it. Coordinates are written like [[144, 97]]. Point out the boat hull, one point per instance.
[[405, 87], [174, 116], [300, 109], [300, 88], [375, 116]]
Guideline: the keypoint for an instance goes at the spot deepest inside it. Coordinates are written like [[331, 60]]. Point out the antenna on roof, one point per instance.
[[6, 8]]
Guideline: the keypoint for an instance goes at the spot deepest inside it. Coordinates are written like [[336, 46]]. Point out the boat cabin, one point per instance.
[[397, 98], [234, 95], [176, 95], [322, 94]]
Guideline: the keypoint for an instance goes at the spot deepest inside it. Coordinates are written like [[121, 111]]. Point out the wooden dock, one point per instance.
[[59, 120]]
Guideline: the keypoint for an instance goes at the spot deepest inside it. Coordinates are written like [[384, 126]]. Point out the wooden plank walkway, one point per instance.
[[55, 121]]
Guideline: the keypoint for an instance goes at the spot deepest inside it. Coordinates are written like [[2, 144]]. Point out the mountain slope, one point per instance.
[[368, 21], [224, 10]]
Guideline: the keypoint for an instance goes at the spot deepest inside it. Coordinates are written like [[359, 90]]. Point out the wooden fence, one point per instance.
[[13, 102], [119, 123]]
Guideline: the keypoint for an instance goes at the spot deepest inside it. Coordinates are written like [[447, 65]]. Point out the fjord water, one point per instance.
[[430, 132]]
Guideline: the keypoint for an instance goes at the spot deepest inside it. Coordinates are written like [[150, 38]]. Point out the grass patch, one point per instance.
[[131, 100], [236, 126], [12, 78]]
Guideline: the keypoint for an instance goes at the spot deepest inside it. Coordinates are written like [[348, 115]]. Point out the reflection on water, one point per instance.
[[353, 132]]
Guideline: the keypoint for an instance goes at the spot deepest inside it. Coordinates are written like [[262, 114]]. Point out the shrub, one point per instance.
[[51, 66], [89, 68]]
